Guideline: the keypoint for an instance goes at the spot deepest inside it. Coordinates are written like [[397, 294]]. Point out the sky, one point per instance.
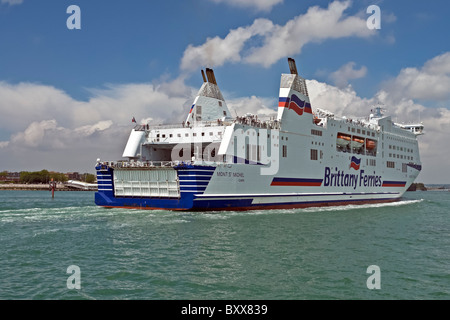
[[67, 95]]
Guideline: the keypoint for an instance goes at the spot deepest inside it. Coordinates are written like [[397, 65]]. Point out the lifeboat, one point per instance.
[[370, 144], [343, 140], [357, 142], [317, 119]]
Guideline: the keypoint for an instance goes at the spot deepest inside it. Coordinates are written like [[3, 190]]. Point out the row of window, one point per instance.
[[392, 147], [194, 134], [400, 156], [405, 140], [315, 155], [361, 131]]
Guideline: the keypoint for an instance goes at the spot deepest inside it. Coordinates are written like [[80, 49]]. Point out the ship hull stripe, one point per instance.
[[232, 204], [394, 183], [296, 182]]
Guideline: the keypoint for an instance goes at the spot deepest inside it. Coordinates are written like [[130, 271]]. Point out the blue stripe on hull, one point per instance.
[[183, 203], [186, 203]]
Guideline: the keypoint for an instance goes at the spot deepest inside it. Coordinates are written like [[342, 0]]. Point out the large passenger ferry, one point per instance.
[[303, 157]]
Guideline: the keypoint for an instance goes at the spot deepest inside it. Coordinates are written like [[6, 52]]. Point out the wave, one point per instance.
[[227, 214]]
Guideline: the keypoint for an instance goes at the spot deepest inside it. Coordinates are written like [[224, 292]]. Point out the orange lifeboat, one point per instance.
[[370, 144], [317, 119], [343, 140], [357, 142]]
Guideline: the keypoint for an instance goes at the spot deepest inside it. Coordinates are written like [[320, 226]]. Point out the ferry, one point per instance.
[[299, 158]]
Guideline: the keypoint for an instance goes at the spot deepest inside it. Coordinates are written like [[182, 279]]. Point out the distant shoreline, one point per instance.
[[36, 187]]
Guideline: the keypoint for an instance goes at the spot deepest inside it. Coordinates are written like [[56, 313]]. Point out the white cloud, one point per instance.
[[431, 82], [23, 103], [12, 2], [263, 107], [217, 51], [260, 5], [347, 72], [316, 25], [48, 127]]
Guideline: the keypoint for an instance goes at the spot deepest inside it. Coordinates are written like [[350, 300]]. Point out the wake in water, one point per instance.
[[362, 206], [222, 214]]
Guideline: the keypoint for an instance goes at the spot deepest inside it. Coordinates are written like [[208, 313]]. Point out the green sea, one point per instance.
[[48, 246]]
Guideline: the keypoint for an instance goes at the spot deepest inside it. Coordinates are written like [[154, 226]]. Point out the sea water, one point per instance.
[[298, 254]]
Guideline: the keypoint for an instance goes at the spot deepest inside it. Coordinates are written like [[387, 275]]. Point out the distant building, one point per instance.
[[11, 177], [73, 176]]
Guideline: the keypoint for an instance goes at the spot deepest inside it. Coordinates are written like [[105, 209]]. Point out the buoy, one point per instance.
[[52, 187]]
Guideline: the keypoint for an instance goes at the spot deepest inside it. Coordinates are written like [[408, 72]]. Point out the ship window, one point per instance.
[[210, 133], [194, 134], [225, 113], [163, 135], [404, 167], [198, 110], [390, 164], [220, 103], [179, 135], [314, 154], [203, 134], [284, 151], [186, 134]]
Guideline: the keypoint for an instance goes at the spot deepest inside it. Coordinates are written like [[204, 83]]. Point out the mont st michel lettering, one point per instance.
[[339, 178]]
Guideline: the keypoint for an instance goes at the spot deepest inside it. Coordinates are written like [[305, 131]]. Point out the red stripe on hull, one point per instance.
[[297, 184], [272, 207]]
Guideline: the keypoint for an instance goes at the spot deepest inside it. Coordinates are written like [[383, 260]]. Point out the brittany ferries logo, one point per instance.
[[355, 163], [295, 104]]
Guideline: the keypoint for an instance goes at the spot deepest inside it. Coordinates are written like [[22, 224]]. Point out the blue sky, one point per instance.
[[67, 96]]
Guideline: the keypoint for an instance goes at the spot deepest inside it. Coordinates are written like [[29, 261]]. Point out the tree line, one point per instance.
[[44, 176]]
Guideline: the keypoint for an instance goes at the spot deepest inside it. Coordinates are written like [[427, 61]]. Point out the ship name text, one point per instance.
[[340, 178]]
